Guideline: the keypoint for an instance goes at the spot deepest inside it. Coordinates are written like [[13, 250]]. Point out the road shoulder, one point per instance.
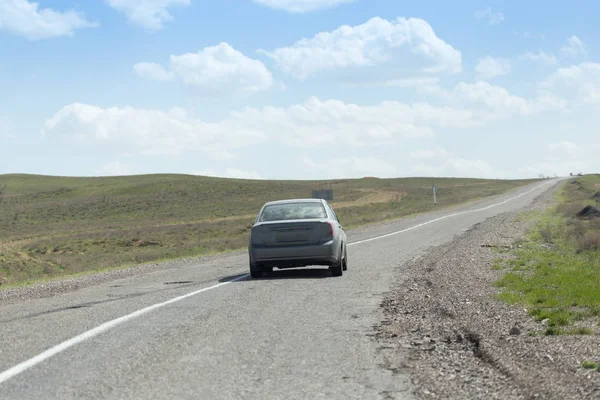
[[456, 341]]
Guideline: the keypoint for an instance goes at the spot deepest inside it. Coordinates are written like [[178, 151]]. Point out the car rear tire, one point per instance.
[[255, 274], [255, 271], [338, 268], [345, 261]]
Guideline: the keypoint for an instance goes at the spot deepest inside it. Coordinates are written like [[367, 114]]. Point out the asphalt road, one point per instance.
[[299, 334]]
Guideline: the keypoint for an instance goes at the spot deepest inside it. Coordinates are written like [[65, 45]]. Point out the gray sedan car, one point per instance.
[[297, 233]]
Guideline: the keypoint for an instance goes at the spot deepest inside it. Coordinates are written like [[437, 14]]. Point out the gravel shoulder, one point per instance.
[[444, 329]]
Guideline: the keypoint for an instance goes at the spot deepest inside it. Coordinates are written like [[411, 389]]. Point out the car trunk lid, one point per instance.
[[292, 233]]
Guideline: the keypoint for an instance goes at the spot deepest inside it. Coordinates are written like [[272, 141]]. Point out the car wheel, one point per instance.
[[255, 271], [255, 274], [338, 268], [345, 261]]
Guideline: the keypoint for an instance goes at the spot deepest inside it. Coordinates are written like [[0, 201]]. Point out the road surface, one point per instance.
[[207, 331]]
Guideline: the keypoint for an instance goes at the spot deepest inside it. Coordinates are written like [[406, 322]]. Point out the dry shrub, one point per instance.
[[577, 229], [569, 210], [589, 241], [546, 233]]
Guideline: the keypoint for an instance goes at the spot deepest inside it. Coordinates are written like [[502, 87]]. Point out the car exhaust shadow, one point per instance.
[[304, 273]]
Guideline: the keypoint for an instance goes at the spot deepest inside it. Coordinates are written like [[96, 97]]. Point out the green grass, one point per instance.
[[591, 365], [556, 272], [57, 226], [581, 331]]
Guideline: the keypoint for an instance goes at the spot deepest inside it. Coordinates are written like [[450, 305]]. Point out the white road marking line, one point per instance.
[[22, 367], [448, 216], [17, 369]]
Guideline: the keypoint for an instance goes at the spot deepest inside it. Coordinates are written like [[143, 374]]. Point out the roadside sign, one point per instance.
[[323, 194]]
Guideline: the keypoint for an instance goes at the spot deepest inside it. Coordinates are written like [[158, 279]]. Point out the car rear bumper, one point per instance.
[[297, 256]]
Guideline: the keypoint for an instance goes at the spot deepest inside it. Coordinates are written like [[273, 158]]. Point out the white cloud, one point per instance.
[[222, 65], [218, 154], [466, 167], [314, 123], [153, 71], [438, 161], [575, 47], [214, 70], [206, 172], [411, 82], [116, 168], [436, 152], [230, 173], [565, 149], [561, 159], [490, 67], [24, 18], [456, 167], [492, 18], [150, 14], [540, 56], [496, 100], [435, 162], [301, 6], [568, 126], [355, 130], [351, 167], [241, 174], [552, 168], [147, 131], [375, 42], [317, 123], [401, 83], [580, 83]]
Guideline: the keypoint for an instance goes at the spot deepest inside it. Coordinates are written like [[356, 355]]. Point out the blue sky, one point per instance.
[[299, 89]]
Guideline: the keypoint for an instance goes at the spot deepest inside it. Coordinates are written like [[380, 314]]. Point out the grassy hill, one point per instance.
[[555, 273], [53, 226]]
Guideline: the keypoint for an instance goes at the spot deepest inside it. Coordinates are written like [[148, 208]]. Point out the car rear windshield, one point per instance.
[[288, 211]]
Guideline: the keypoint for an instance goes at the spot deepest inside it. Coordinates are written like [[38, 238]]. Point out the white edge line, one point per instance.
[[449, 216], [22, 367]]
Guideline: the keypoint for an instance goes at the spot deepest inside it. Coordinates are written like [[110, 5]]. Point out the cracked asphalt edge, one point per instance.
[[443, 327], [51, 288]]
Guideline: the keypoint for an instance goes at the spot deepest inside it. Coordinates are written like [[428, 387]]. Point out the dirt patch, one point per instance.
[[371, 197], [461, 343]]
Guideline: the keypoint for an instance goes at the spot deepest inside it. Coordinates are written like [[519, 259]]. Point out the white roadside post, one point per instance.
[[434, 195]]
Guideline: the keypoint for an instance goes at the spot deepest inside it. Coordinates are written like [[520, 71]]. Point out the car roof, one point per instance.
[[270, 203]]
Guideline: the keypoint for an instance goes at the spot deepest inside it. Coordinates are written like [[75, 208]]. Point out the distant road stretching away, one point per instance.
[[219, 335]]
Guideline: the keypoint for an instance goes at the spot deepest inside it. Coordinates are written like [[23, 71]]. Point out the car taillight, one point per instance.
[[332, 229]]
